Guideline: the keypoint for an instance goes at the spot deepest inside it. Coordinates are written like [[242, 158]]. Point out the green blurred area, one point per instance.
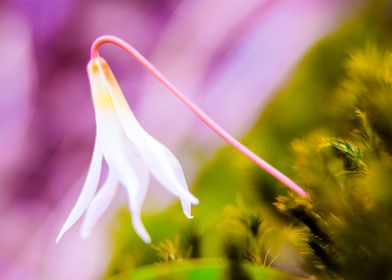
[[207, 269], [235, 195]]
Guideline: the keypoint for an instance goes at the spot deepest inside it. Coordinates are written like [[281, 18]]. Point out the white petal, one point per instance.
[[164, 166], [136, 195], [179, 173], [135, 208], [99, 204], [136, 184], [160, 161], [167, 170], [88, 191], [125, 161]]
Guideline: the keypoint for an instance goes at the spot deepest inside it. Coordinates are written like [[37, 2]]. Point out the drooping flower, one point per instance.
[[132, 156]]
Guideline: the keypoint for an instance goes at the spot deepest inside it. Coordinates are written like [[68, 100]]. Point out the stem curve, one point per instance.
[[196, 110]]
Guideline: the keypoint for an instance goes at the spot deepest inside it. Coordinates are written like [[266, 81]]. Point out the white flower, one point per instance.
[[131, 154]]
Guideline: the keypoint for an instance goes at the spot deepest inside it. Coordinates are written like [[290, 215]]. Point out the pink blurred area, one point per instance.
[[227, 56]]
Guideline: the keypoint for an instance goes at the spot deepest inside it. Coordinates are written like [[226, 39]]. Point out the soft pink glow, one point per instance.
[[198, 112]]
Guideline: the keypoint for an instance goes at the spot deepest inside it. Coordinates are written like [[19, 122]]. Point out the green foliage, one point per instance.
[[349, 180]]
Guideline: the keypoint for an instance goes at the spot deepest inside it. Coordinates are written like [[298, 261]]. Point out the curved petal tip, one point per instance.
[[193, 199]]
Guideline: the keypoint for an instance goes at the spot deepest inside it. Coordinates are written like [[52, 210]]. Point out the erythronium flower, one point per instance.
[[131, 154]]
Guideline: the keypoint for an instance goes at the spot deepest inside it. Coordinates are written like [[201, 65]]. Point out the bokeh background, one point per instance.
[[229, 57]]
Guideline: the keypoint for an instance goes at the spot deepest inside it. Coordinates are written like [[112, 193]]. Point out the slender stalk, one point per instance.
[[195, 109]]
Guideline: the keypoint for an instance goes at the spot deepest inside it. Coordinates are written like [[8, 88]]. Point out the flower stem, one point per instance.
[[195, 109]]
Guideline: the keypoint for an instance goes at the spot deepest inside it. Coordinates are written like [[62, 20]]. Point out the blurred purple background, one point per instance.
[[227, 56]]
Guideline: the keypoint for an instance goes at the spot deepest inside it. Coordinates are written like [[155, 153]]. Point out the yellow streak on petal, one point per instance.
[[110, 80], [103, 100], [99, 91]]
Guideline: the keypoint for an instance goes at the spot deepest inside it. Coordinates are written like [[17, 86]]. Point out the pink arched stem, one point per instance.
[[195, 109]]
